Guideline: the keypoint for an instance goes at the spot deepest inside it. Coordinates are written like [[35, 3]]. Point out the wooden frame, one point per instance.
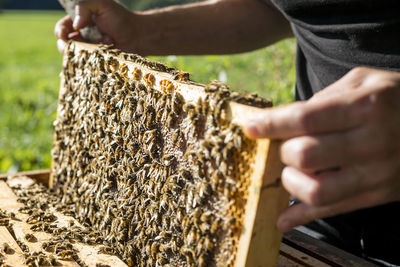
[[259, 242]]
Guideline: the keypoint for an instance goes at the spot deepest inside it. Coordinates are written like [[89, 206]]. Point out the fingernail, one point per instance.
[[252, 129], [76, 21]]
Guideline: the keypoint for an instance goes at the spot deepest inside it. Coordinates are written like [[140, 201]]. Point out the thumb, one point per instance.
[[85, 11]]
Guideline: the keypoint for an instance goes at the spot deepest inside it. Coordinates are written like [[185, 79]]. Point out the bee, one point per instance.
[[31, 260], [112, 64], [32, 220], [237, 141], [155, 248], [130, 262], [67, 255], [181, 76], [202, 261], [14, 216], [30, 238], [48, 246], [137, 74], [166, 86], [170, 121], [4, 222], [204, 227], [7, 248], [23, 246], [187, 107], [186, 175], [149, 79], [50, 218], [106, 250]]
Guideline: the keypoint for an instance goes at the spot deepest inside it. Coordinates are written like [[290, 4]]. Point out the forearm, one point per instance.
[[210, 27]]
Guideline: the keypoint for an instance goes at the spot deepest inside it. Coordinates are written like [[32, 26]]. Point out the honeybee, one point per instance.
[[187, 107], [30, 238], [106, 250], [112, 64], [137, 74], [182, 76], [66, 255], [7, 249]]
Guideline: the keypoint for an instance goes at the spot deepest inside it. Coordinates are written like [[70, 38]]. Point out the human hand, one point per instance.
[[116, 24], [341, 147]]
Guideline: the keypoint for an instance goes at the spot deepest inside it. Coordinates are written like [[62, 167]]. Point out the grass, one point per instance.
[[29, 81]]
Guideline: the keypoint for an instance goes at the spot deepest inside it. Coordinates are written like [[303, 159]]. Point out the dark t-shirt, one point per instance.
[[335, 36], [332, 38]]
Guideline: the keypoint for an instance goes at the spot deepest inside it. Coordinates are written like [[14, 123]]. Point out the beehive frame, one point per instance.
[[259, 241]]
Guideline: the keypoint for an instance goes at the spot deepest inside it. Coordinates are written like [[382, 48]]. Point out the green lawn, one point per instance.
[[29, 81]]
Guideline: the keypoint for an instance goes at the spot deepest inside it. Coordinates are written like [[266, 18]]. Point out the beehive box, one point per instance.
[[159, 166], [28, 242]]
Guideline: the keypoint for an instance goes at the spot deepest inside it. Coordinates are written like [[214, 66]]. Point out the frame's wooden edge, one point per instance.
[[323, 251], [252, 203], [273, 199], [17, 257], [191, 91], [260, 241], [41, 176], [51, 177]]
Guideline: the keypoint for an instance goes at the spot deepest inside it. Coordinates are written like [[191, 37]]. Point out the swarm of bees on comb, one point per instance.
[[161, 174]]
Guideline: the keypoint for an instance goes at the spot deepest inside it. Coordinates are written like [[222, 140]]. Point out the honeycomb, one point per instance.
[[160, 172]]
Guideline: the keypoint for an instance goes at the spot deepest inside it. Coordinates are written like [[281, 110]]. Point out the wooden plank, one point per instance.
[[323, 251], [300, 258], [8, 202], [16, 258], [41, 176], [285, 262], [266, 200]]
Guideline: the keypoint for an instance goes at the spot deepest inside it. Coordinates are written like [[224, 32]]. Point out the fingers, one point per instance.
[[334, 108], [304, 213], [61, 45], [64, 31], [302, 118], [324, 188], [330, 186], [63, 28], [83, 16], [318, 152], [86, 11]]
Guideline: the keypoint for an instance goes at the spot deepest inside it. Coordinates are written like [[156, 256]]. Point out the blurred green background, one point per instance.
[[29, 82]]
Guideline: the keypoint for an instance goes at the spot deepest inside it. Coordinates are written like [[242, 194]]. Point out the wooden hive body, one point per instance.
[[228, 180]]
